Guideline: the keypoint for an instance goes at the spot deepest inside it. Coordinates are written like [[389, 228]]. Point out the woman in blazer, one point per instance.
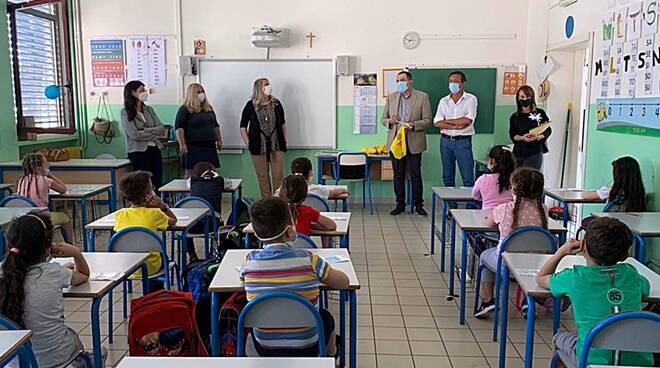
[[264, 131], [143, 130]]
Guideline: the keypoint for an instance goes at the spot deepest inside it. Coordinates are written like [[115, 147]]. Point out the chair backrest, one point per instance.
[[106, 156], [25, 354], [303, 241], [16, 200], [625, 331], [352, 165], [352, 158], [530, 239], [197, 202], [279, 310], [317, 202], [136, 239]]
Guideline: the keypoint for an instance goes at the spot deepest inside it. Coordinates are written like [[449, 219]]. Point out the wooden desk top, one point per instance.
[[8, 214], [185, 362], [80, 191], [186, 218], [124, 263], [12, 340], [180, 186], [475, 220], [342, 219], [571, 195], [643, 223], [524, 268], [227, 278], [75, 163], [453, 194]]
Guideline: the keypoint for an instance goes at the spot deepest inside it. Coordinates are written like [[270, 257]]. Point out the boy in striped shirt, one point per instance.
[[280, 267]]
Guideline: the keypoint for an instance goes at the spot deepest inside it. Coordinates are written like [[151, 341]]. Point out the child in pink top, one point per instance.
[[494, 188], [526, 210], [35, 184]]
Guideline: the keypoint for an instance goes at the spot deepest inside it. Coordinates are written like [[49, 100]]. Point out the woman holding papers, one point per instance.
[[529, 129]]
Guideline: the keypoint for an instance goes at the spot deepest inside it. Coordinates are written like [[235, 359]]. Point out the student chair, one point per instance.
[[349, 168], [304, 242], [526, 239], [211, 219], [16, 200], [316, 202], [26, 358], [277, 310], [626, 331]]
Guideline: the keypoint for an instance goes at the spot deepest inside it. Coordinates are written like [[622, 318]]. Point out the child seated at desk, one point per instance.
[[302, 166], [526, 209], [148, 211], [36, 182], [32, 288], [494, 187], [207, 184], [597, 289], [627, 192], [280, 267], [294, 192]]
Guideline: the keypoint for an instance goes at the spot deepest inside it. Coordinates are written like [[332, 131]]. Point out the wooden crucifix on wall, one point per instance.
[[311, 37]]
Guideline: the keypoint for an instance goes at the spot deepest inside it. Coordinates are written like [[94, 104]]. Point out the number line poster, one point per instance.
[[629, 115]]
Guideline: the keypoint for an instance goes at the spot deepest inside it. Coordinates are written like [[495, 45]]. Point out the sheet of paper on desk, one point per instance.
[[62, 261], [336, 259], [338, 216], [183, 217], [528, 272], [105, 276]]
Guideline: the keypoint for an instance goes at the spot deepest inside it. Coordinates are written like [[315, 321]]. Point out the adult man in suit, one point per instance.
[[409, 108]]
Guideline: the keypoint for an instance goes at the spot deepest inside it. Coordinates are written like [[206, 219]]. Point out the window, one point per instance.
[[39, 44]]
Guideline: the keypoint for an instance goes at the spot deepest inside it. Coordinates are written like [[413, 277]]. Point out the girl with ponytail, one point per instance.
[[494, 188]]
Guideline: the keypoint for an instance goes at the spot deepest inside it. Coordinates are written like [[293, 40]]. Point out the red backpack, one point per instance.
[[163, 324], [228, 323]]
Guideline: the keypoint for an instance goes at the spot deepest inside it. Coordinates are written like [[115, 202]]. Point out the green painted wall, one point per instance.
[[8, 139], [240, 165]]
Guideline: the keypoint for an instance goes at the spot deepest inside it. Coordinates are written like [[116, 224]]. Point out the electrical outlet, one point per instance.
[[92, 94]]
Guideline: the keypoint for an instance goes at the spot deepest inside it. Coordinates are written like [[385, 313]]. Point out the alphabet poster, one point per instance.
[[146, 60], [608, 28], [634, 22], [650, 19], [647, 48], [620, 25], [138, 57]]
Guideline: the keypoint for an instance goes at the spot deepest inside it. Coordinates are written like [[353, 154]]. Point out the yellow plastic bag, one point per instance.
[[399, 146]]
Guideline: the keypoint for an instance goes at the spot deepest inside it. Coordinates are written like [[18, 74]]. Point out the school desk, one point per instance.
[[446, 195], [82, 193], [185, 362], [176, 186], [7, 215], [380, 168], [186, 218], [10, 342], [342, 197], [342, 219], [227, 279], [77, 171], [124, 265], [523, 268], [642, 224], [474, 221], [567, 196]]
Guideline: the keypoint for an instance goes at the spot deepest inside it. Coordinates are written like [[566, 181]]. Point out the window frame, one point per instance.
[[63, 66]]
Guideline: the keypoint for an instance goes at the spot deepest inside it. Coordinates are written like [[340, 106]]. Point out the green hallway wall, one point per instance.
[[8, 139]]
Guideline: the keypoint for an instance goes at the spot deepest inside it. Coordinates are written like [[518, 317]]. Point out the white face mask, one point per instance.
[[201, 96], [144, 96], [267, 90]]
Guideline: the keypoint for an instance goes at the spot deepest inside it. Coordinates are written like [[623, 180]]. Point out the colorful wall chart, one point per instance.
[[108, 62], [629, 115]]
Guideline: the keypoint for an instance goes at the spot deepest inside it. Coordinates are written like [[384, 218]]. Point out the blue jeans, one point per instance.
[[452, 151]]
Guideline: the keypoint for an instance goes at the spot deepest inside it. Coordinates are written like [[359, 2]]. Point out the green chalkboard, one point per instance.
[[481, 82]]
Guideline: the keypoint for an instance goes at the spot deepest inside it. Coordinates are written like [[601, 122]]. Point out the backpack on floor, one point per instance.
[[228, 323], [163, 324]]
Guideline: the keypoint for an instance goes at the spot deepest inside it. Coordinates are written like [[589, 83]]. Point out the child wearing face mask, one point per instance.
[[528, 148]]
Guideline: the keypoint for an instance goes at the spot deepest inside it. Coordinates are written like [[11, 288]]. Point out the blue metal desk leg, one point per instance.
[[443, 233], [342, 326], [505, 315], [2, 244], [319, 170], [232, 217], [556, 314], [529, 339], [83, 219], [452, 251], [247, 240], [433, 229], [463, 274], [113, 191], [90, 241], [215, 308], [565, 214], [352, 297], [96, 332]]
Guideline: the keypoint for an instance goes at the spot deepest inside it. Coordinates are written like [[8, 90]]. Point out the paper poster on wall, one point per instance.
[[365, 93], [157, 70], [629, 115], [388, 80], [618, 68], [650, 19], [607, 23], [632, 69], [605, 77], [108, 62], [512, 79], [620, 25], [634, 22], [138, 57], [646, 45]]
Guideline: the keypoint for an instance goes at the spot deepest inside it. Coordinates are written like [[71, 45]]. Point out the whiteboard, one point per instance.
[[306, 88]]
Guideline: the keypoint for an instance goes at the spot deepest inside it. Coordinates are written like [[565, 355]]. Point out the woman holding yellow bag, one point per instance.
[[407, 115]]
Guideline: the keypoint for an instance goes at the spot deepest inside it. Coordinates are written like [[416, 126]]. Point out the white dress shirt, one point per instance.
[[465, 107]]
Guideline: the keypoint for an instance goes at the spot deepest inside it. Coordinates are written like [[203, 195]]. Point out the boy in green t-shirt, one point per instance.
[[597, 290]]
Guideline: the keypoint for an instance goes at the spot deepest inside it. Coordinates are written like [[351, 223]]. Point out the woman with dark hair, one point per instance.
[[143, 130], [528, 148]]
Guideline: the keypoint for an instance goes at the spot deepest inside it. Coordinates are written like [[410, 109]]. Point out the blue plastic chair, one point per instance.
[[303, 241], [26, 358], [317, 202], [16, 200], [626, 331], [348, 159], [526, 239], [279, 310], [197, 202]]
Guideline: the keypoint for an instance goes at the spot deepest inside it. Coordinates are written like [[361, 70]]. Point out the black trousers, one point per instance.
[[413, 162], [150, 160]]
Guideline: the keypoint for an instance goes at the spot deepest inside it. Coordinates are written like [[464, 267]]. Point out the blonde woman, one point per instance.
[[197, 130], [264, 131]]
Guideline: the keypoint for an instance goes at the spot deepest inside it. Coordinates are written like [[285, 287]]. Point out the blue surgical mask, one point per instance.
[[454, 87], [401, 86]]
